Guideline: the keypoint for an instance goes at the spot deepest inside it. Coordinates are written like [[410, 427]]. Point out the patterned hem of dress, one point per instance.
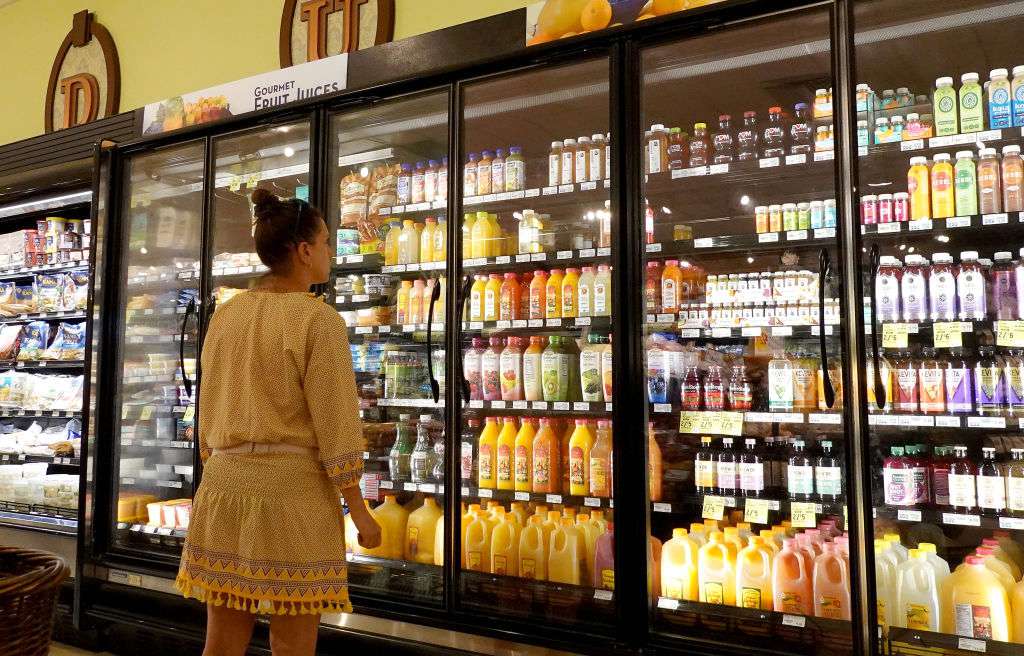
[[256, 604]]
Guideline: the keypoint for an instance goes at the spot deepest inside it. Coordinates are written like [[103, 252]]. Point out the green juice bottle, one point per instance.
[[972, 109], [965, 176], [945, 101]]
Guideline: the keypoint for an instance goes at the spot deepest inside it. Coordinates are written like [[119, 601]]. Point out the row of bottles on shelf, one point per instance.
[[554, 294], [492, 172], [778, 467], [417, 454], [546, 456], [484, 236], [973, 290], [948, 479], [667, 285], [780, 569], [549, 369], [423, 183], [411, 299], [964, 110], [983, 598], [586, 159], [812, 215], [409, 242]]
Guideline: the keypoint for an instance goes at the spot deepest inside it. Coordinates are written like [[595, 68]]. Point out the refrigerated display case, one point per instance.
[[939, 172]]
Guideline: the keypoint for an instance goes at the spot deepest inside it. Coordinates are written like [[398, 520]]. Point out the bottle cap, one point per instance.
[[970, 77], [969, 255], [964, 154], [700, 126], [1003, 256], [919, 161], [1018, 70], [724, 117], [881, 121], [998, 72], [944, 82], [1013, 148], [974, 560], [942, 157], [750, 114], [569, 142], [944, 258], [483, 155], [556, 144], [987, 152]]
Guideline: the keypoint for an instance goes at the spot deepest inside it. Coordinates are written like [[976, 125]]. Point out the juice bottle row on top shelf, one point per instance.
[[483, 235]]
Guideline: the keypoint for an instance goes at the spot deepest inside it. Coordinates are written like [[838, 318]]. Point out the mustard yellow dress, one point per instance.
[[267, 531]]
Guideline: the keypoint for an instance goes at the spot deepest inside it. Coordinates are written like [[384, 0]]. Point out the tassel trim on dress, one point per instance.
[[255, 604]]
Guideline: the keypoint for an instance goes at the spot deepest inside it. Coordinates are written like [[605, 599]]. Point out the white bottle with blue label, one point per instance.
[[1000, 107], [1017, 91]]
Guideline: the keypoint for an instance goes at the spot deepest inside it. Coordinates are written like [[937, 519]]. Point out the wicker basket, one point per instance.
[[28, 595]]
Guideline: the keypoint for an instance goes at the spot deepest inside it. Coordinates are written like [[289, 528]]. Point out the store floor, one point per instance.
[[57, 649]]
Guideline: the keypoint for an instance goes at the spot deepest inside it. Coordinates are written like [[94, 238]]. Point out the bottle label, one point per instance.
[[971, 290], [906, 387], [413, 540], [801, 479], [402, 189], [780, 388], [475, 306], [942, 292], [522, 464], [899, 486], [595, 164], [577, 467], [914, 297], [553, 166], [474, 561], [541, 466], [608, 578], [713, 593], [989, 386], [490, 305], [500, 564], [467, 461], [932, 394], [973, 621], [483, 180], [752, 476], [504, 463], [829, 480], [552, 306], [887, 290], [515, 178], [600, 299], [598, 477], [750, 598], [958, 392], [497, 177], [568, 296], [567, 166], [727, 475], [940, 484], [584, 300], [831, 607], [961, 490], [991, 493], [669, 294], [1015, 493], [919, 617], [654, 156], [528, 568], [792, 603], [922, 487], [486, 464], [581, 165], [704, 473]]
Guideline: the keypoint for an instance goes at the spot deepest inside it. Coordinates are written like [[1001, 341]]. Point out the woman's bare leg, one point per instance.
[[228, 631], [293, 635]]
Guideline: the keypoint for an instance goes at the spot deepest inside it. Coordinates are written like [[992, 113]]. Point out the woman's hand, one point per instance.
[[367, 527]]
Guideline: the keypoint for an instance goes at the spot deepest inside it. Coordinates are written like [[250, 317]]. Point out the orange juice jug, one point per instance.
[[468, 221], [552, 521], [768, 540], [1003, 556], [1012, 549], [1017, 606], [716, 571], [791, 581], [419, 532], [538, 294], [654, 465], [564, 554], [522, 461], [975, 603], [439, 541], [505, 547], [480, 238], [518, 510], [570, 523], [392, 518], [492, 297], [468, 514], [919, 185], [997, 567], [580, 444], [942, 190], [508, 302], [732, 537], [402, 302], [478, 545], [570, 293], [679, 566], [671, 287], [476, 298], [533, 559], [591, 532], [487, 450], [547, 474], [831, 585], [698, 533], [427, 240], [506, 453], [553, 295], [754, 575]]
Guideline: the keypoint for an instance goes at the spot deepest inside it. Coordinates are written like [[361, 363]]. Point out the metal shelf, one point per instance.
[[506, 496]]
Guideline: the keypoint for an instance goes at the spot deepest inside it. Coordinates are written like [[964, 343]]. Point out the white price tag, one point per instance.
[[538, 257], [553, 323], [536, 323], [921, 224], [704, 242], [782, 331], [947, 422], [972, 644], [581, 405], [523, 257], [582, 321], [768, 162], [690, 333], [539, 405], [796, 235], [486, 493], [653, 248], [995, 219], [522, 496], [908, 515], [1013, 523], [502, 259], [520, 405], [796, 159], [721, 332], [603, 595], [668, 604], [825, 418], [591, 502], [956, 519], [912, 144], [588, 186], [884, 228], [958, 222], [828, 155], [561, 405], [498, 405], [602, 252], [662, 407], [824, 233], [798, 621], [767, 237], [587, 252], [662, 507], [753, 331], [553, 498], [563, 255], [717, 169], [986, 422]]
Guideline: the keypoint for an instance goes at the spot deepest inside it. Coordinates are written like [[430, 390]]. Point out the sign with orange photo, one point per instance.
[[559, 19]]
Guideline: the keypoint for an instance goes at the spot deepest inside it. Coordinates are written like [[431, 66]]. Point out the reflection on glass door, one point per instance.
[[940, 180], [741, 339], [536, 360], [388, 207], [154, 400]]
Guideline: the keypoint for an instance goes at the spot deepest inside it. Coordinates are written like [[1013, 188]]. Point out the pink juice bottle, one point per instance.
[[490, 370], [898, 479], [887, 289], [472, 370], [1004, 287]]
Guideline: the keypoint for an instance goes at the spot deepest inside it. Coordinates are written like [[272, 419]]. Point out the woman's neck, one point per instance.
[[284, 283]]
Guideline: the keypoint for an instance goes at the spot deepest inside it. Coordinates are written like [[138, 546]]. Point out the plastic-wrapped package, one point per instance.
[[68, 393], [48, 292], [68, 343], [35, 337], [80, 298], [24, 299], [9, 336], [353, 189]]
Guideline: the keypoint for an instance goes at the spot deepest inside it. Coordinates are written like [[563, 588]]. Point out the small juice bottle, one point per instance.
[[427, 240], [417, 306], [580, 445], [538, 294], [942, 190], [391, 243], [508, 305], [671, 287], [525, 280], [972, 104], [512, 370], [480, 241], [601, 298], [487, 448], [506, 453], [547, 477], [601, 461], [469, 176], [492, 296], [533, 387], [585, 292], [402, 302], [570, 293], [553, 295], [476, 298], [555, 164], [483, 173], [522, 465], [918, 184], [568, 161], [965, 180]]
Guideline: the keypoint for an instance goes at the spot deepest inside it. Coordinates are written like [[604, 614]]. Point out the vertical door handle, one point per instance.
[[181, 346], [435, 293], [467, 284], [877, 377], [824, 269]]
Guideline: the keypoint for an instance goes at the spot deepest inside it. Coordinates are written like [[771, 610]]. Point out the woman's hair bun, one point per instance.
[[262, 198]]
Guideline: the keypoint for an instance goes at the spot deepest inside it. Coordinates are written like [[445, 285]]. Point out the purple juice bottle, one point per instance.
[[1013, 374], [989, 386], [1004, 287], [958, 381]]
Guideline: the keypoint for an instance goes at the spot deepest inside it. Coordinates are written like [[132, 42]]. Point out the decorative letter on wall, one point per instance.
[[315, 29], [85, 81]]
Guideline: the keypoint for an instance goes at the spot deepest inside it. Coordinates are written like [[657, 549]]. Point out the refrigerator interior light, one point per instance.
[[366, 156], [49, 203]]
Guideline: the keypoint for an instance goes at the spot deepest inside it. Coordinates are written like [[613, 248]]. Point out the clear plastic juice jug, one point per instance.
[[716, 571], [917, 594], [679, 566]]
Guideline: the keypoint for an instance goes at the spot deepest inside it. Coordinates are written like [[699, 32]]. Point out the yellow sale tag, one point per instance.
[[948, 334], [190, 413], [235, 183], [146, 413], [124, 412], [714, 423], [803, 515], [731, 423], [714, 508], [252, 180], [756, 511], [1010, 333], [894, 335], [691, 422]]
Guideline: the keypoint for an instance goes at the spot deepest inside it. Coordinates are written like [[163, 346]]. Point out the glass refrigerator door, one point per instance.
[[940, 171], [741, 340], [536, 435], [276, 158], [160, 244], [388, 205]]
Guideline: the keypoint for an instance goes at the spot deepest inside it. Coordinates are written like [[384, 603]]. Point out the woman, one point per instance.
[[281, 437]]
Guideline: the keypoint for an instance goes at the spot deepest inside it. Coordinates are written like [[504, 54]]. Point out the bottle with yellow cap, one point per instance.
[[679, 566], [733, 539], [698, 533], [564, 553], [938, 564], [917, 590], [533, 558], [898, 549], [768, 540]]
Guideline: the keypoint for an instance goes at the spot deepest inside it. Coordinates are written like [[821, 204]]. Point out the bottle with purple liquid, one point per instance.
[[959, 384], [1004, 287], [989, 384]]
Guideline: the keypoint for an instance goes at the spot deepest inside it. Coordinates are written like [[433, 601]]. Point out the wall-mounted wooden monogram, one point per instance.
[[315, 29], [85, 81]]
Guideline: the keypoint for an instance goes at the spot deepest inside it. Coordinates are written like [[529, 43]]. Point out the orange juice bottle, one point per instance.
[[476, 298], [553, 295], [547, 475], [538, 294], [427, 240], [754, 575], [570, 293], [975, 603], [402, 302], [671, 284], [391, 242], [480, 237], [919, 185], [508, 302], [478, 544], [580, 444], [492, 297], [679, 566], [601, 461], [942, 189], [417, 306], [496, 246], [505, 547], [716, 571], [439, 542], [791, 580], [487, 449], [506, 453], [533, 557], [831, 583], [654, 466], [522, 464]]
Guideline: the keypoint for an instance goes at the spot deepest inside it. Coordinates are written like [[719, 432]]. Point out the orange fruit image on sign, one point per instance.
[[662, 7], [596, 15], [559, 17]]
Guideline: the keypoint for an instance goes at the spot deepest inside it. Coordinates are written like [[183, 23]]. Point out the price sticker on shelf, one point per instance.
[[755, 511], [235, 183], [894, 335], [803, 515], [1010, 333], [190, 413], [693, 422], [147, 413], [714, 508], [971, 644], [947, 334], [730, 423], [252, 180]]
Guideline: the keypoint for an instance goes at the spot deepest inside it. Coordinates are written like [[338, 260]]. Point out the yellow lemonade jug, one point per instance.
[[885, 587], [590, 533], [976, 603], [533, 557], [997, 566], [564, 552], [917, 594], [519, 512], [419, 532], [716, 571], [505, 547], [439, 541], [392, 518], [468, 515], [478, 544], [754, 575], [468, 222], [679, 566]]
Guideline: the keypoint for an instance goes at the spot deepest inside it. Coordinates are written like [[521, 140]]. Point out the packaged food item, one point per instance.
[[9, 336], [68, 344], [35, 336], [48, 292]]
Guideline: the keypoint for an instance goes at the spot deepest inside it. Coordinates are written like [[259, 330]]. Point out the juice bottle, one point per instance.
[[601, 461], [943, 194], [477, 544], [498, 172], [533, 385], [468, 223], [523, 459], [511, 368], [508, 303], [408, 243], [1013, 177], [958, 379], [418, 183], [989, 383], [966, 184], [1011, 565], [773, 142], [991, 484], [555, 164], [430, 181], [723, 141], [391, 242], [596, 165], [590, 368], [791, 581], [553, 295], [748, 138], [678, 149], [607, 375], [800, 135], [945, 107], [831, 583], [1000, 100], [533, 559], [487, 450], [492, 296], [971, 288], [483, 173], [990, 194], [604, 559], [1015, 484], [654, 465], [601, 305], [419, 533], [584, 293], [570, 293], [402, 302], [1017, 594], [972, 108], [505, 547], [546, 459], [906, 393], [780, 383], [426, 245], [564, 551], [476, 298], [479, 235], [917, 594], [754, 575], [679, 567], [962, 474], [538, 294], [417, 307], [392, 518], [555, 370], [472, 368], [671, 284], [525, 280], [942, 288], [700, 147], [490, 369], [1004, 287], [976, 605], [581, 166], [805, 383], [568, 161], [931, 391], [918, 186], [580, 445], [716, 571]]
